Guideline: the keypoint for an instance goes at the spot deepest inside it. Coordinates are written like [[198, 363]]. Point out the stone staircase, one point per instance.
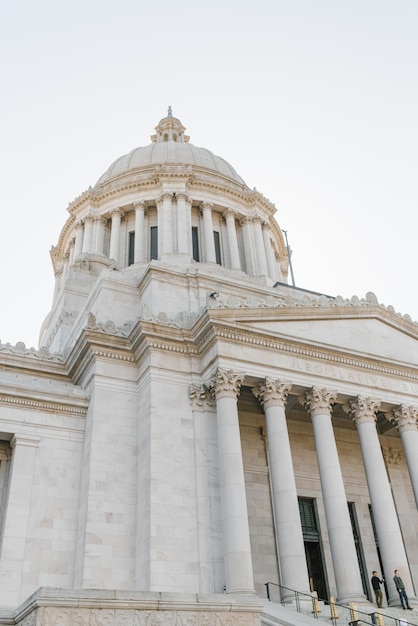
[[304, 615]]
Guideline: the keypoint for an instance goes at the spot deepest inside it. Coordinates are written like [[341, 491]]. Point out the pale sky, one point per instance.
[[313, 102]]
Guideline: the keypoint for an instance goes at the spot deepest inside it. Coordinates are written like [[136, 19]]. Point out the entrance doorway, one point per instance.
[[313, 551]]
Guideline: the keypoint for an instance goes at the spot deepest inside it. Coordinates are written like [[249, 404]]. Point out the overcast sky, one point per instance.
[[314, 102]]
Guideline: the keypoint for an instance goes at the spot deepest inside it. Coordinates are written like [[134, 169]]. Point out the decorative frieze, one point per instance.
[[66, 616]]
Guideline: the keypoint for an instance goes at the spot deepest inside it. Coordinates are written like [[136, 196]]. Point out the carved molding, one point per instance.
[[405, 418], [319, 400], [272, 392], [363, 410], [200, 396], [392, 456], [225, 383]]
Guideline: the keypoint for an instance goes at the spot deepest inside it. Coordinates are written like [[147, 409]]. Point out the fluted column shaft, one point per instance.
[[88, 234], [208, 233], [406, 420], [246, 235], [17, 518], [115, 235], [139, 250], [259, 247], [271, 264], [98, 234], [343, 550], [184, 226], [165, 223], [236, 535], [392, 551], [291, 550], [232, 239], [78, 244]]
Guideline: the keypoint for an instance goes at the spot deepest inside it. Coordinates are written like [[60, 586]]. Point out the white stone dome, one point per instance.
[[169, 147]]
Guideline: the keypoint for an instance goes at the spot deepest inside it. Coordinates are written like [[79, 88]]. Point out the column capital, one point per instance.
[[90, 217], [206, 206], [363, 409], [183, 195], [272, 392], [319, 400], [140, 206], [229, 213], [405, 418], [118, 212], [166, 195], [200, 396], [225, 383]]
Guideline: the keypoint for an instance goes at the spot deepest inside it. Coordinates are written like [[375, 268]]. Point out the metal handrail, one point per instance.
[[285, 598]]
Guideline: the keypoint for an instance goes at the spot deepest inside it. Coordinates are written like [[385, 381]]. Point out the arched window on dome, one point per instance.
[[165, 136]]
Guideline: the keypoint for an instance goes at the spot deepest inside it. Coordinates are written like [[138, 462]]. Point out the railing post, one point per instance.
[[267, 591]]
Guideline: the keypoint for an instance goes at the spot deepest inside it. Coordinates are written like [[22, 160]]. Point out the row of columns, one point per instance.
[[272, 394], [174, 233]]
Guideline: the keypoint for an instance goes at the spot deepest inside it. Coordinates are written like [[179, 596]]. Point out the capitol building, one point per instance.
[[194, 427]]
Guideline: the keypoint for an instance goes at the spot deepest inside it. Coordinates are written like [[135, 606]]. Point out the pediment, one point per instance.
[[372, 333]]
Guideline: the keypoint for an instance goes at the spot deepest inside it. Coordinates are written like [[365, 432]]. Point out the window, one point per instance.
[[154, 242], [131, 248], [217, 241], [195, 243]]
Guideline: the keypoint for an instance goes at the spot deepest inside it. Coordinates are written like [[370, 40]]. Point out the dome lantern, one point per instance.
[[170, 129]]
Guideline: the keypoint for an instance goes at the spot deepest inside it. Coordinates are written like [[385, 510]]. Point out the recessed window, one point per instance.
[[217, 241], [154, 242], [195, 243], [131, 248]]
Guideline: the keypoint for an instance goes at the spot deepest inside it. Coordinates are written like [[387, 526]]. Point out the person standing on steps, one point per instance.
[[376, 582], [400, 587]]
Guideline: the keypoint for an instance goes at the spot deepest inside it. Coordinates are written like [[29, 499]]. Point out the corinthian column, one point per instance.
[[247, 245], [88, 233], [259, 247], [225, 386], [165, 222], [344, 557], [406, 420], [208, 233], [139, 251], [232, 239], [291, 550], [115, 235], [392, 551], [79, 234], [184, 227], [271, 264]]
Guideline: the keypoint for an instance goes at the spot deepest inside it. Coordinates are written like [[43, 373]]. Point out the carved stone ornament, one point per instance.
[[318, 400], [272, 392], [363, 409], [392, 456], [225, 383], [80, 616], [200, 396], [405, 418]]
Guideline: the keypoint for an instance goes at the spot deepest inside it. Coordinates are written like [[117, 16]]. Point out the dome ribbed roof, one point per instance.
[[170, 147]]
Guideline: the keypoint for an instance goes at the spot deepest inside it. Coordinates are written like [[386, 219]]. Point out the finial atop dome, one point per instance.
[[170, 129]]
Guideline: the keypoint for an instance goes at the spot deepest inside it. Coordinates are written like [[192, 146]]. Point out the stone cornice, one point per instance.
[[32, 404]]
